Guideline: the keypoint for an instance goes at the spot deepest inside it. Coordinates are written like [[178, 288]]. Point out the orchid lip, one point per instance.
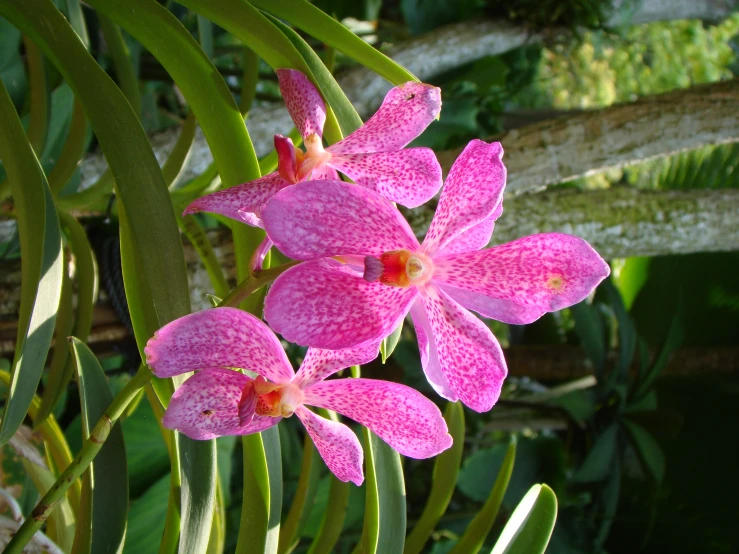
[[399, 268]]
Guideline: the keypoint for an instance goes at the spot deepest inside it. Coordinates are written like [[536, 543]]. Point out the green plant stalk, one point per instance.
[[289, 528], [446, 471], [124, 69], [322, 26], [478, 529], [72, 151], [253, 283], [39, 96], [80, 463]]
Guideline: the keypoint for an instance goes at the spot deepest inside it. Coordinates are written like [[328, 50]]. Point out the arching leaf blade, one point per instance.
[[530, 526]]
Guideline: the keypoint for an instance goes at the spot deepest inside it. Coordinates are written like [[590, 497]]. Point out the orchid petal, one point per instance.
[[476, 237], [324, 173], [242, 202], [469, 355], [405, 113], [399, 415], [429, 355], [473, 191], [326, 305], [547, 272], [219, 337], [318, 219], [206, 406], [320, 364], [336, 443], [410, 177], [303, 101], [287, 159], [494, 308]]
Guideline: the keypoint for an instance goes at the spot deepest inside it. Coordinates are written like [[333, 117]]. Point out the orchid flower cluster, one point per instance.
[[363, 271]]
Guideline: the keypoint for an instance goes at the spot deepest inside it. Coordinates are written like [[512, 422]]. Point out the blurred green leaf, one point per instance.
[[590, 328], [531, 524], [109, 471], [388, 344], [303, 498], [322, 26], [627, 337], [478, 529], [631, 279], [444, 481], [12, 70], [39, 96], [334, 515], [650, 452], [41, 272], [146, 519], [601, 457]]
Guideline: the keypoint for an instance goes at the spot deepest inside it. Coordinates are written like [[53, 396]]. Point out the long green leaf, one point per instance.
[[39, 97], [333, 518], [322, 26], [478, 529], [648, 449], [42, 266], [446, 471], [124, 68], [309, 473], [530, 526], [109, 472], [180, 152]]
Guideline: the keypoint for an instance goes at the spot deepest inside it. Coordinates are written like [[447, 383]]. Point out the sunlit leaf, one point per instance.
[[531, 524]]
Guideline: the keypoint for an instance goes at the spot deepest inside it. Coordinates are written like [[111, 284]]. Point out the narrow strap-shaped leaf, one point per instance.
[[322, 26], [531, 524], [72, 152], [627, 337], [124, 68], [77, 20], [41, 269], [247, 23], [39, 102], [194, 232], [446, 471], [478, 529], [64, 324], [333, 518], [309, 472], [198, 471], [649, 450], [109, 501], [249, 80], [388, 344], [260, 510], [346, 115]]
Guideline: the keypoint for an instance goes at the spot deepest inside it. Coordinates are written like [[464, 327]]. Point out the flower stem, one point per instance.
[[80, 463], [254, 282]]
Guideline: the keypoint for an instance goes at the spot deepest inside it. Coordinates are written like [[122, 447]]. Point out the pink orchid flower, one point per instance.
[[373, 156], [217, 401], [367, 271]]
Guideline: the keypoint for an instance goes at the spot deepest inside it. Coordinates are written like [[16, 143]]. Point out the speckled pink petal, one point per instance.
[[399, 415], [324, 173], [410, 177], [326, 305], [320, 364], [405, 113], [337, 445], [303, 101], [330, 218], [219, 337], [494, 308], [476, 237], [547, 272], [206, 406], [429, 355], [237, 201], [472, 192], [470, 356], [287, 160]]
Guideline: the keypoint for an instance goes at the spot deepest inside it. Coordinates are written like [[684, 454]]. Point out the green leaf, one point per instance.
[[178, 156], [260, 511], [632, 277], [446, 471], [322, 26], [109, 471], [650, 452], [39, 97], [198, 465], [124, 68], [599, 461], [385, 515], [146, 519], [334, 516], [590, 329], [530, 526], [627, 337], [388, 344], [41, 270], [478, 529]]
